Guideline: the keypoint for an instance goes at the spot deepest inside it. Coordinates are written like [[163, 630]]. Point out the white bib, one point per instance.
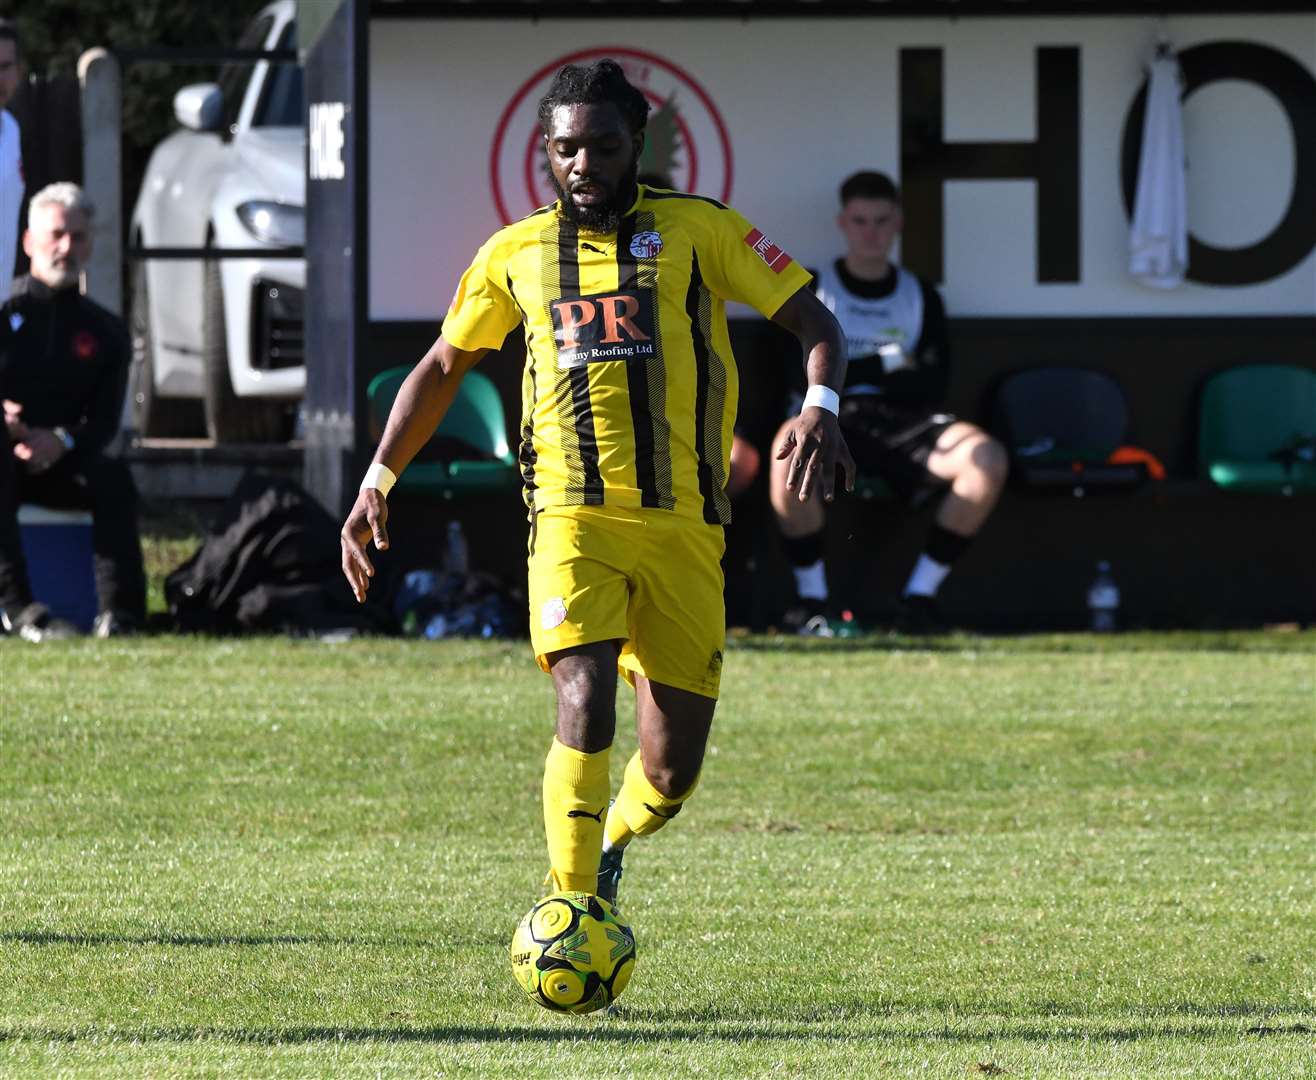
[[869, 325]]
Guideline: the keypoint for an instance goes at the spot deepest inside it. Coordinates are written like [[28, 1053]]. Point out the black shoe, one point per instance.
[[36, 624], [609, 875], [920, 616], [114, 624]]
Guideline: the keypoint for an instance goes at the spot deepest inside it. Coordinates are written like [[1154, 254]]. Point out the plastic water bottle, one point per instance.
[[458, 559], [1104, 600]]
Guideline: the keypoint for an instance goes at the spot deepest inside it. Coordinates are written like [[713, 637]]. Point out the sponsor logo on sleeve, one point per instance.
[[766, 250]]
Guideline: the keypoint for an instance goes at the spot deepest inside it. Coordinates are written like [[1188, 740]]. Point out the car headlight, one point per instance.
[[273, 222]]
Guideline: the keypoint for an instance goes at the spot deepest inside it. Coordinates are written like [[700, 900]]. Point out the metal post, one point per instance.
[[336, 280], [99, 77]]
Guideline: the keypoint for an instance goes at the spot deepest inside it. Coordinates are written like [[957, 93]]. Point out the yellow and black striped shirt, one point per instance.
[[629, 391]]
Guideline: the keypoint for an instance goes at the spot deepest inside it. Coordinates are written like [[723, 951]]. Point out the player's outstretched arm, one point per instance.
[[814, 442], [423, 400]]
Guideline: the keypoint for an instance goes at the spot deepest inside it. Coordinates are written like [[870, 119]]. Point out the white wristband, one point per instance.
[[824, 397], [379, 477]]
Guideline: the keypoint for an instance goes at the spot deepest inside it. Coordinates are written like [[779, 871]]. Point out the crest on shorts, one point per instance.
[[646, 245], [553, 614]]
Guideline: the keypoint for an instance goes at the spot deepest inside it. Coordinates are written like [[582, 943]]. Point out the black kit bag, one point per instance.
[[271, 563]]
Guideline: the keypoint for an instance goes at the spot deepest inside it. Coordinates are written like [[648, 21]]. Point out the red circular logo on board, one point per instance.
[[686, 139]]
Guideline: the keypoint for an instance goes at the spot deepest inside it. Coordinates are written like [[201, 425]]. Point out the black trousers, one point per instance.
[[78, 481]]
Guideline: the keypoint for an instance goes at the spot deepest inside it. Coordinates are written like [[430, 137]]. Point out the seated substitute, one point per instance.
[[63, 372], [891, 413]]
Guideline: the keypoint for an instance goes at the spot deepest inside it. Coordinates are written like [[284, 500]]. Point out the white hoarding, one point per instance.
[[770, 115]]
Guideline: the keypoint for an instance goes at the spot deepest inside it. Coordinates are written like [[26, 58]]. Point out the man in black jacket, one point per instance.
[[63, 371]]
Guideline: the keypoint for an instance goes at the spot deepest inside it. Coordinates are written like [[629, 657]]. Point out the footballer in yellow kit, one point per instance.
[[629, 396]]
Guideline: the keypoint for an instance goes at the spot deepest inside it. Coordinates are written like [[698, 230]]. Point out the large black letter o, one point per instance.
[[1292, 84]]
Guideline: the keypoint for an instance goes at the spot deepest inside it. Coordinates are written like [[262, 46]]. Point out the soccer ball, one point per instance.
[[572, 953]]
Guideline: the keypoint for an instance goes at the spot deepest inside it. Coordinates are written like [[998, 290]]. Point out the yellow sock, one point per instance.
[[576, 788], [641, 809]]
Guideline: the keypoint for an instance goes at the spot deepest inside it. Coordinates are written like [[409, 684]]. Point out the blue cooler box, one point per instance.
[[58, 548]]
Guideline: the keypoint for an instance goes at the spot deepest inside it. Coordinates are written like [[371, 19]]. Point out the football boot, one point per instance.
[[610, 875]]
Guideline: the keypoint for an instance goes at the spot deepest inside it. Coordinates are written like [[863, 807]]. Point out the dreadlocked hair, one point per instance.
[[600, 82]]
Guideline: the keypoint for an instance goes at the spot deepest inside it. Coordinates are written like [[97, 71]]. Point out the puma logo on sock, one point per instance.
[[585, 813]]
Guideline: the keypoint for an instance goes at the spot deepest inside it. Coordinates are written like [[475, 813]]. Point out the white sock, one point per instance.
[[926, 577], [811, 581]]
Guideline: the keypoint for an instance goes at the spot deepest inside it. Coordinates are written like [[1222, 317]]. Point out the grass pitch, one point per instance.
[[1043, 857]]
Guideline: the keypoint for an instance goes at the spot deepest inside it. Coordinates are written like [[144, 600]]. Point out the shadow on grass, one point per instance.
[[52, 937], [657, 1026], [1059, 1011], [1232, 1009]]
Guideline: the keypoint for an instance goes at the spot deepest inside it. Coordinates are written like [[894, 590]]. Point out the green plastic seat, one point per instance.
[[1264, 476], [475, 418], [1256, 421]]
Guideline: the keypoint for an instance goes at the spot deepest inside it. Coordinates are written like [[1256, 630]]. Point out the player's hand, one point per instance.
[[40, 449], [14, 421], [368, 519], [816, 446]]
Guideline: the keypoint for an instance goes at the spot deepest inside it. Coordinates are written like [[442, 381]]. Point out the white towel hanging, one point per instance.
[[1158, 239]]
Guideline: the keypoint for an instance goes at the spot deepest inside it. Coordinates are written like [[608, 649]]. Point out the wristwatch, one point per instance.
[[63, 436]]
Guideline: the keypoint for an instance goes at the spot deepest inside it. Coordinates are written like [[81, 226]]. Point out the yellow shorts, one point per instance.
[[646, 577]]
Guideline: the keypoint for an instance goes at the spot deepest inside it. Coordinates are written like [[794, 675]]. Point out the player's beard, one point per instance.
[[603, 218]]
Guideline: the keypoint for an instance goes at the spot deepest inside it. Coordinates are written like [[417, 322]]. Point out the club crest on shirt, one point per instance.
[[646, 245], [15, 321], [85, 345]]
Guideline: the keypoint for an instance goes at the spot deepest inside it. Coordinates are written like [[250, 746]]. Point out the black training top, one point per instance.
[[64, 358]]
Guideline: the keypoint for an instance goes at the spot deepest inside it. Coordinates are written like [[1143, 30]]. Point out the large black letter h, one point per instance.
[[927, 161]]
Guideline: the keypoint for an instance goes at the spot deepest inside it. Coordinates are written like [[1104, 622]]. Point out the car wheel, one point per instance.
[[154, 416], [230, 418]]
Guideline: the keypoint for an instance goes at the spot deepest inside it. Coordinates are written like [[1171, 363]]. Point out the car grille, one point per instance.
[[276, 326]]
